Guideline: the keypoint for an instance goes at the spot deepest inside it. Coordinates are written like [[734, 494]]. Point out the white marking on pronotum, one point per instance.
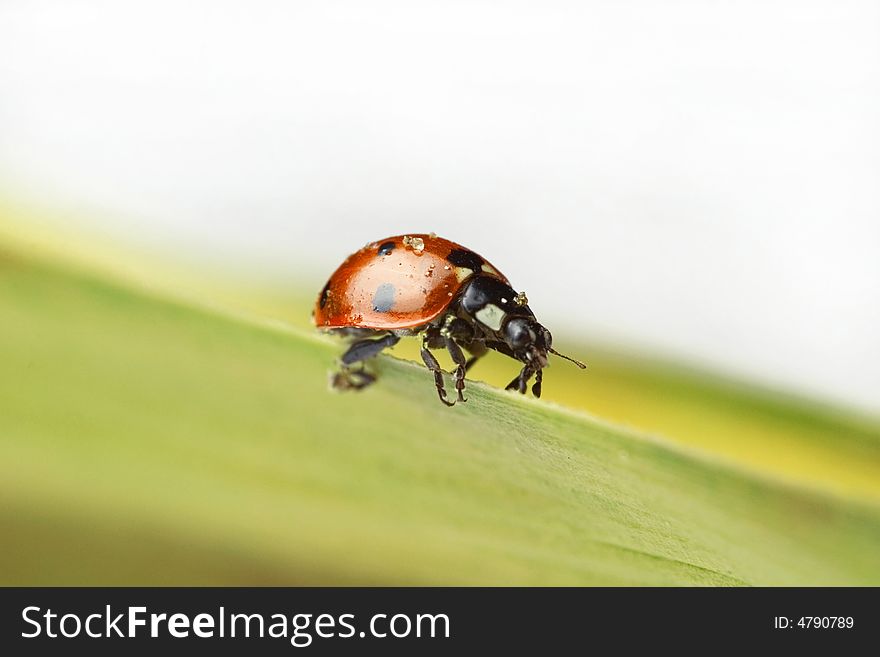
[[491, 315], [489, 268], [461, 273]]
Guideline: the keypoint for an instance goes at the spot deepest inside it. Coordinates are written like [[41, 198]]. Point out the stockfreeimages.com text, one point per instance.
[[300, 629]]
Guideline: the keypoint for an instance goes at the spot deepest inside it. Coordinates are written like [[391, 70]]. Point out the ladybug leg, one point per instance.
[[432, 364], [364, 349], [355, 379], [458, 333], [459, 359], [521, 382], [455, 327], [536, 389], [514, 385], [347, 379]]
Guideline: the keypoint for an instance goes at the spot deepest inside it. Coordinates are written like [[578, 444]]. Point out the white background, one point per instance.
[[696, 177]]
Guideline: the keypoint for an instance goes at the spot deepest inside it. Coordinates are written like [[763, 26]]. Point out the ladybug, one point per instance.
[[449, 295]]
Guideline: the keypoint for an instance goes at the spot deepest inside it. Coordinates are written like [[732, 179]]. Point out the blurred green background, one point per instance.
[[161, 428]]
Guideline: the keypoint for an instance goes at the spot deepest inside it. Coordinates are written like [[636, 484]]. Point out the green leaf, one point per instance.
[[144, 441]]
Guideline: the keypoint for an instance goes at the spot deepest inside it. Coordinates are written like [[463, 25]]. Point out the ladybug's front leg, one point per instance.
[[521, 382], [536, 389]]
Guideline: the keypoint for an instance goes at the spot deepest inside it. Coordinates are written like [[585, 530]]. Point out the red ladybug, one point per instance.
[[425, 285]]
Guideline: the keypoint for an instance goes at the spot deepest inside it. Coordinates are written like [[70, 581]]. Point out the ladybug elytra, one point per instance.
[[425, 285]]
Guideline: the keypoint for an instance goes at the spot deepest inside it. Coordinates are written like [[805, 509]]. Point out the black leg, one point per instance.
[[536, 389], [459, 330], [455, 327], [349, 378], [432, 364], [521, 382], [364, 349], [458, 358]]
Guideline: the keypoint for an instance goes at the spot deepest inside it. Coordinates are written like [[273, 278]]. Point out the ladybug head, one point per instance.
[[530, 342]]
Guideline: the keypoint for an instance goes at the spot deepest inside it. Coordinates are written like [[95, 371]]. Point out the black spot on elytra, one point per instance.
[[383, 299], [465, 258], [325, 294], [386, 248]]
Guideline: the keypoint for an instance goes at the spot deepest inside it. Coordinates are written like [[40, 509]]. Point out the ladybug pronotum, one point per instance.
[[425, 285]]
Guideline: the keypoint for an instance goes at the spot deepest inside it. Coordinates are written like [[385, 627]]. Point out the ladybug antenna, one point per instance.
[[576, 362]]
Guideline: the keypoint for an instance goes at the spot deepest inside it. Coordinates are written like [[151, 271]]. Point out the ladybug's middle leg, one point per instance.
[[459, 359], [458, 334], [455, 328], [432, 364]]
